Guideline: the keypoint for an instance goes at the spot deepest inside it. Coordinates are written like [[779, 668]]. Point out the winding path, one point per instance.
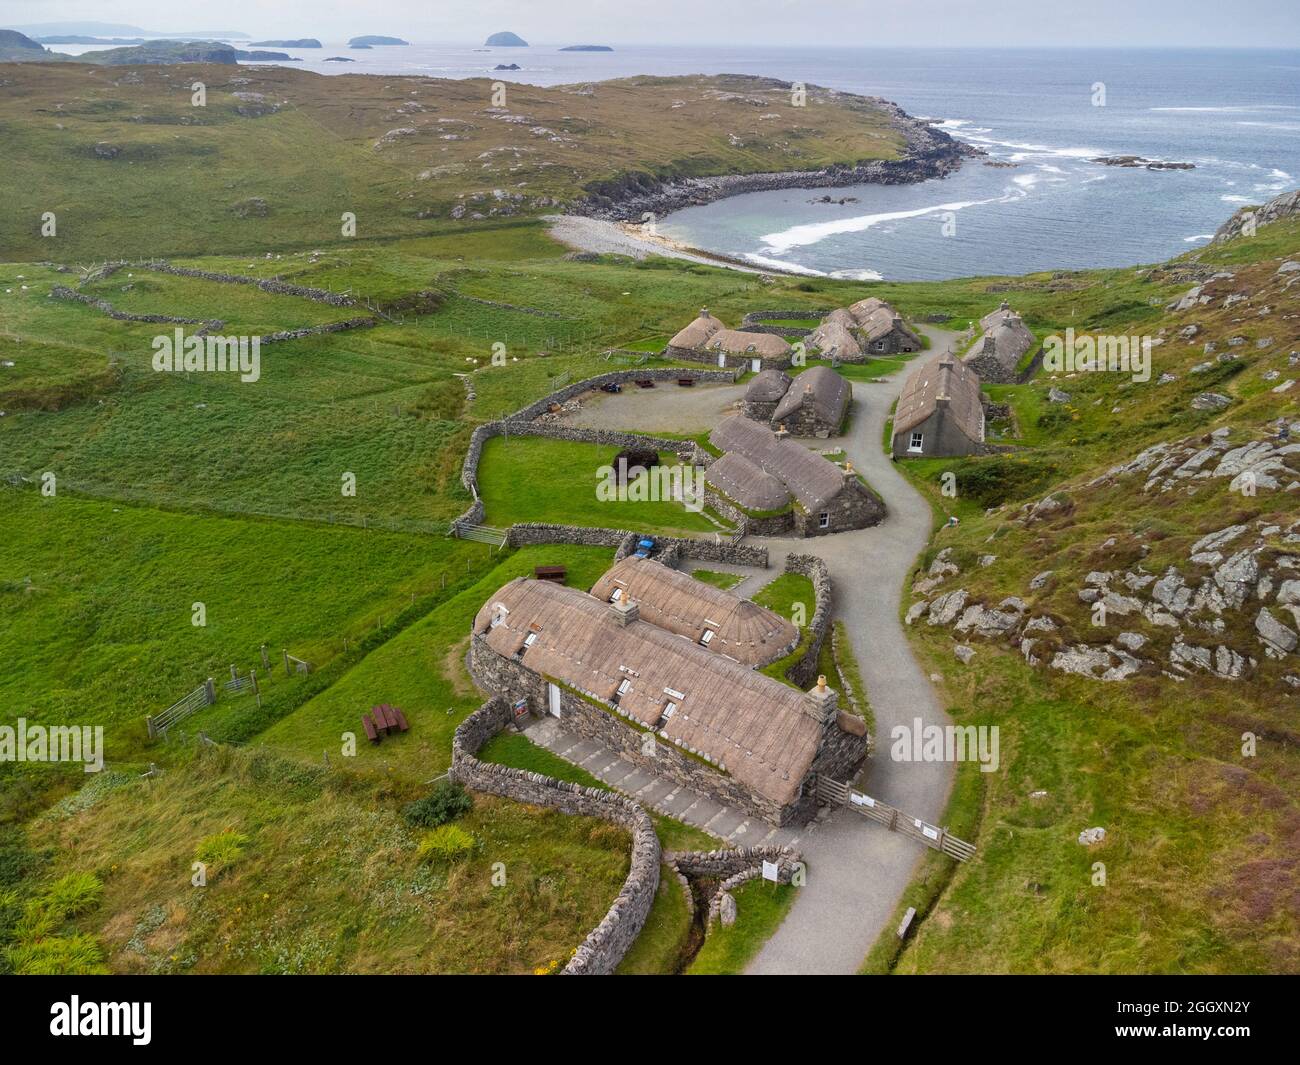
[[857, 870]]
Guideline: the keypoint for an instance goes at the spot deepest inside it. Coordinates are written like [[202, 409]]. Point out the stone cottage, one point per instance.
[[705, 339], [779, 487], [669, 704], [765, 391], [815, 404], [834, 338], [940, 411], [869, 327], [996, 355], [881, 329]]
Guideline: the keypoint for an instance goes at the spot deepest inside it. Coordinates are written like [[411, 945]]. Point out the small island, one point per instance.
[[1140, 161], [338, 59], [507, 66], [586, 48], [506, 40], [369, 40]]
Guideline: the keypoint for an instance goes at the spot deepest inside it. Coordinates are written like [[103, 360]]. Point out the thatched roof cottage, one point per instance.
[[824, 497], [710, 616], [882, 328], [706, 339], [815, 404], [764, 392], [940, 411], [834, 338], [610, 674], [996, 355]]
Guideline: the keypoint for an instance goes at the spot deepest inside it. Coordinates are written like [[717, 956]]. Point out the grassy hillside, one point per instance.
[[130, 167], [1199, 854]]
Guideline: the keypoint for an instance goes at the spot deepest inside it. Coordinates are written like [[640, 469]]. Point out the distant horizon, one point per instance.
[[1255, 25]]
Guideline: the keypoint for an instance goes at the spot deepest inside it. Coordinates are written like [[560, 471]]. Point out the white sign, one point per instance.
[[858, 799], [770, 871], [929, 833]]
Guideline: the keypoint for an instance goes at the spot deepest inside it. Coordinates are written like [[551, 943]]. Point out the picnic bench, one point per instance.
[[645, 382], [551, 573], [383, 720], [686, 382]]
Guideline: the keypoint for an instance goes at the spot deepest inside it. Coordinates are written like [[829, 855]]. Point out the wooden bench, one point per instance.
[[551, 573], [383, 720], [645, 382], [686, 382]]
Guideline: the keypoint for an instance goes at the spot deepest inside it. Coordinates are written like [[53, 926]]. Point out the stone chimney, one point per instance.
[[704, 312], [850, 474], [821, 703], [781, 433], [625, 612]]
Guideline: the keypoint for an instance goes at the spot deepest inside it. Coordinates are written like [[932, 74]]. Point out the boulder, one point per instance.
[[1277, 638]]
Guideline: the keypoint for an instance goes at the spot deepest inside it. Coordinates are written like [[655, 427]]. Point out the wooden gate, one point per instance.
[[837, 793]]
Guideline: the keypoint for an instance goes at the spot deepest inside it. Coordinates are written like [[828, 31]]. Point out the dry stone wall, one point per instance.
[[605, 946], [804, 671]]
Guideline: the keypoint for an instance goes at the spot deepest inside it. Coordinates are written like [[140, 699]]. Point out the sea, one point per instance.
[[1233, 113]]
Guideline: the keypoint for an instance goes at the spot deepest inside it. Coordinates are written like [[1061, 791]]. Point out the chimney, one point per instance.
[[704, 312], [850, 474], [821, 702], [781, 433], [625, 612]]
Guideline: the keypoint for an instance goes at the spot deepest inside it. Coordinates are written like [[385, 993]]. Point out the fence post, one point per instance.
[[257, 688], [285, 652], [153, 735], [233, 674], [266, 660], [210, 691]]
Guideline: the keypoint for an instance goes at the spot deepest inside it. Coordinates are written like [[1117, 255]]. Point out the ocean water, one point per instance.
[[1235, 114]]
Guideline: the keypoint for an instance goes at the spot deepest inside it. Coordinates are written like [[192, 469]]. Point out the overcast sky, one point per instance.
[[1121, 23]]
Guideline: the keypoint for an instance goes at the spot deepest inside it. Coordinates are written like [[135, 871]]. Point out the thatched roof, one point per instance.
[[1007, 341], [698, 331], [834, 337], [811, 479], [942, 380], [867, 307], [767, 386], [677, 602], [993, 317], [738, 342], [821, 388], [739, 479], [881, 322], [753, 727]]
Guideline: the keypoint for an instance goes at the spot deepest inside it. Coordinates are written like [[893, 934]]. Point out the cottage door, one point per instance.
[[756, 364], [722, 360], [553, 699]]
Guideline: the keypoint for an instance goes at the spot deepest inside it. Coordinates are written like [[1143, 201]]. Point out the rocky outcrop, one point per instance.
[[1284, 206], [928, 153]]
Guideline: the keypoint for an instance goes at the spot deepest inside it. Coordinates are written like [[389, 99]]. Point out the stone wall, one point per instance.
[[281, 288], [732, 868], [644, 373], [625, 541], [605, 946], [626, 738], [62, 292], [855, 507], [804, 672]]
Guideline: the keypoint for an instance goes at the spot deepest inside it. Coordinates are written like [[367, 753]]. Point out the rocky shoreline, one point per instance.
[[929, 153]]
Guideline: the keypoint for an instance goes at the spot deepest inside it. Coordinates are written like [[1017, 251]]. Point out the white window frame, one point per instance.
[[916, 442], [824, 520], [624, 686], [707, 637]]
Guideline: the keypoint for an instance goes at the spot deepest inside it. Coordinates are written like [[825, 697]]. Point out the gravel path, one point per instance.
[[857, 869], [666, 408]]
